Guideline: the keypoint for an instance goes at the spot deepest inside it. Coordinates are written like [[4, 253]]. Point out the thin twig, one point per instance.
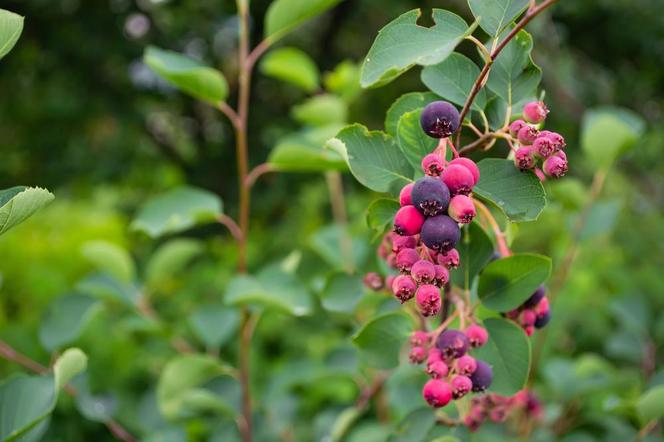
[[257, 172], [231, 225], [227, 110], [338, 203], [503, 248]]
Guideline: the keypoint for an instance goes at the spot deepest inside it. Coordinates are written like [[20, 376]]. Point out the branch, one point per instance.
[[257, 172], [231, 225], [500, 236]]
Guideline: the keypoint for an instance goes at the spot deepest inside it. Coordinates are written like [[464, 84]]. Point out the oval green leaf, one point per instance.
[[65, 319], [380, 340], [608, 132], [285, 15], [412, 140], [110, 258], [453, 78], [303, 151], [293, 66], [342, 292], [11, 26], [214, 324], [496, 15], [18, 203]]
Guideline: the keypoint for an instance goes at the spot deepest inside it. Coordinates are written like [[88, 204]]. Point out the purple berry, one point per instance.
[[462, 209], [452, 344], [555, 167], [428, 298], [543, 146], [516, 126], [458, 179], [404, 195], [543, 319], [439, 119], [470, 165], [440, 233], [423, 271], [437, 393], [527, 134], [403, 287], [406, 258], [431, 196], [433, 164], [535, 112], [408, 221], [482, 377], [477, 336], [524, 158], [461, 385], [535, 298]]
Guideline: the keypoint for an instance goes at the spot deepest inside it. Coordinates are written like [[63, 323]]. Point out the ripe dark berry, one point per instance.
[[439, 119], [461, 385], [423, 271], [535, 112], [431, 196], [535, 298], [404, 195], [466, 365], [477, 336], [452, 344], [555, 166], [542, 320], [470, 165], [462, 209], [449, 259], [516, 126], [527, 134], [406, 258], [433, 164], [437, 393], [543, 146], [404, 287], [417, 355], [458, 179], [408, 221], [440, 233], [428, 298], [482, 377], [524, 158], [442, 275]]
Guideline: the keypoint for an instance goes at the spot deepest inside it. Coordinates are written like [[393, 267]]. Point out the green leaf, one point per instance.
[[374, 158], [650, 405], [18, 203], [508, 352], [285, 15], [402, 43], [321, 110], [292, 66], [475, 249], [609, 132], [327, 241], [506, 283], [380, 340], [188, 75], [519, 195], [303, 151], [214, 324], [64, 320], [103, 286], [69, 364], [453, 79], [412, 140], [496, 15], [601, 219], [11, 26], [380, 214], [179, 391], [406, 103], [110, 258], [271, 288], [344, 80], [170, 259], [415, 426], [513, 75], [342, 292], [176, 210]]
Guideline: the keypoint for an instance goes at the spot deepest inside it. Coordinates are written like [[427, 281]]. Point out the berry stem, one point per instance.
[[503, 248], [257, 172]]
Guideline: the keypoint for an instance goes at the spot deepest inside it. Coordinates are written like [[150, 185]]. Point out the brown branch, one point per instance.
[[231, 225], [500, 236], [257, 172]]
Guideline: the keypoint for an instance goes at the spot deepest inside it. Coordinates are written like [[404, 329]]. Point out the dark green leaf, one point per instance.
[[19, 203], [303, 151], [496, 15], [415, 426], [412, 140], [380, 339], [342, 292], [650, 405], [64, 320], [293, 66], [285, 15], [11, 26], [475, 249], [453, 78], [609, 132], [380, 214], [406, 103]]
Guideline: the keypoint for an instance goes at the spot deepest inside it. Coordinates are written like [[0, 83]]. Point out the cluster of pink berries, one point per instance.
[[454, 373], [497, 408], [536, 145], [534, 313]]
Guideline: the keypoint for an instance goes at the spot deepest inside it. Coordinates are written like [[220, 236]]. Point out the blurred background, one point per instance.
[[82, 115]]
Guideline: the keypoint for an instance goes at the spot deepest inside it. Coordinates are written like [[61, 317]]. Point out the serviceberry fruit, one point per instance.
[[406, 258], [462, 209], [461, 385], [373, 281], [543, 146], [470, 165], [404, 287], [439, 119], [458, 179], [535, 112], [442, 275], [403, 242], [482, 377], [432, 164], [449, 259], [516, 126], [528, 318], [437, 393], [477, 336], [527, 134], [555, 167], [437, 369], [543, 319], [428, 298], [408, 221], [419, 338], [417, 355], [452, 344], [466, 365], [404, 195], [440, 233], [431, 196], [557, 139], [535, 298], [524, 157], [423, 271]]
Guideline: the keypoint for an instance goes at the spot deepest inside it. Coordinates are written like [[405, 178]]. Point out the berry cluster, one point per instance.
[[497, 408], [534, 313], [454, 373], [535, 145]]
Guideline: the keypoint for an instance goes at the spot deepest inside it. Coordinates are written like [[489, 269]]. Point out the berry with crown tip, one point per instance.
[[524, 158], [404, 287], [462, 209], [528, 318], [458, 179], [482, 377], [373, 281], [452, 344], [439, 119], [449, 259], [557, 139], [543, 319], [403, 242], [437, 369], [406, 258], [408, 221], [419, 338], [417, 355], [461, 385], [442, 275], [437, 393], [423, 271], [535, 298], [466, 365], [516, 126], [477, 336], [543, 147], [440, 233], [555, 167], [527, 134], [431, 196], [432, 164], [535, 112], [428, 298], [404, 196], [470, 165]]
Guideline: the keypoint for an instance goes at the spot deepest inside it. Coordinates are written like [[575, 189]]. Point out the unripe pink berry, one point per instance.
[[561, 154], [498, 415], [527, 134], [513, 314], [461, 209], [423, 271], [557, 139], [373, 281], [428, 298], [442, 275], [403, 242], [542, 307], [555, 167], [419, 338], [529, 329], [433, 164], [466, 365], [535, 112], [389, 281], [516, 126], [437, 369], [470, 165], [524, 158], [417, 355], [434, 355], [449, 259], [477, 335], [391, 260], [404, 195], [406, 258], [528, 317], [544, 147], [458, 179], [437, 393], [404, 287], [408, 221], [461, 385]]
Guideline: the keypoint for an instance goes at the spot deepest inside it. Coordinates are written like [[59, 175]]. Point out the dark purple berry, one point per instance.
[[452, 344], [482, 377], [439, 119], [535, 298], [440, 233], [543, 319], [431, 196]]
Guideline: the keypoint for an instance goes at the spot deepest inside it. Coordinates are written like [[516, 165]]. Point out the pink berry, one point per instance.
[[516, 126], [461, 385], [561, 154], [408, 221], [419, 338], [433, 164], [423, 271], [391, 260], [437, 393], [555, 167], [543, 146], [403, 242], [524, 158], [449, 259], [417, 355], [404, 195], [406, 258], [529, 329], [373, 281], [466, 365], [442, 275], [389, 281], [557, 139], [428, 298], [527, 134], [461, 209], [404, 287], [528, 317], [434, 356], [535, 112], [458, 179], [437, 369], [498, 415], [542, 307], [477, 335], [470, 165]]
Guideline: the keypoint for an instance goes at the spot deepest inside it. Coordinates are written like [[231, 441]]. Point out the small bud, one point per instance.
[[417, 355], [557, 139], [535, 112], [403, 242], [543, 146], [437, 369], [406, 258], [461, 385], [477, 336], [466, 365], [419, 338], [373, 281], [449, 259], [442, 275], [462, 209]]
